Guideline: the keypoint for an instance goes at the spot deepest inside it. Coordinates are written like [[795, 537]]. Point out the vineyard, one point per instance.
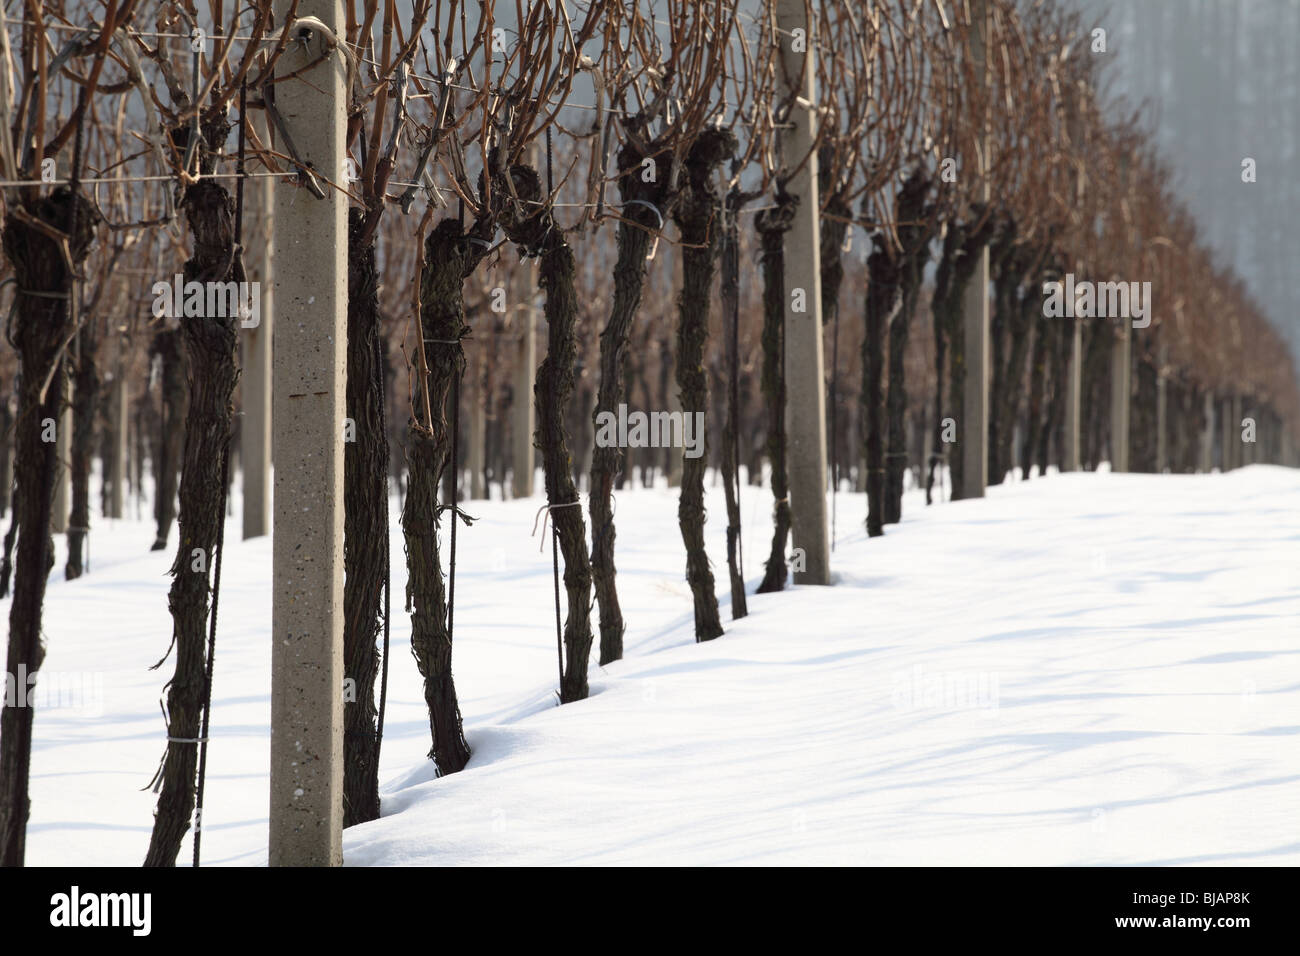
[[358, 276]]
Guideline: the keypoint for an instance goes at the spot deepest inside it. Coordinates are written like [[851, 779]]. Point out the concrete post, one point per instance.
[[63, 456], [1120, 388], [1162, 412], [119, 408], [1206, 463], [805, 410], [975, 317], [522, 403], [310, 246], [1073, 450], [255, 379]]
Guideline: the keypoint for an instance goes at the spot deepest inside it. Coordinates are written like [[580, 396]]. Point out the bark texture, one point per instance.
[[532, 228], [211, 344], [6, 451], [635, 234], [914, 233], [365, 526], [883, 301], [1018, 300], [837, 214], [772, 225], [40, 327], [696, 215], [170, 436], [85, 394], [449, 258], [731, 424], [1043, 332]]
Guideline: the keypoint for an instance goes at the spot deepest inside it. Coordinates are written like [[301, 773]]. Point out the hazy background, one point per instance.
[[1220, 80]]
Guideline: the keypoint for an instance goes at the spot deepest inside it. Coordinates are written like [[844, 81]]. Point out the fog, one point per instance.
[[1219, 79]]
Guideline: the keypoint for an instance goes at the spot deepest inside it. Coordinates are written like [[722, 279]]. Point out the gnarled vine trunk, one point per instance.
[[697, 216], [450, 257], [731, 424], [1043, 331], [1026, 304], [1002, 274], [1017, 302], [6, 451], [538, 234], [636, 231], [173, 397], [211, 344], [85, 392], [914, 233], [836, 216], [1053, 432], [772, 225], [365, 526], [40, 327], [883, 300]]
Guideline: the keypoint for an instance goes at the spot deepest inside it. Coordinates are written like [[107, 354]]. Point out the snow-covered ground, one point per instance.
[[1090, 668]]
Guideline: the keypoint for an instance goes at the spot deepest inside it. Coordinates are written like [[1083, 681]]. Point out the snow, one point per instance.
[[1082, 669]]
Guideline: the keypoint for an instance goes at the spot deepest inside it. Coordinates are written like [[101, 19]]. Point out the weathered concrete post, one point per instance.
[[805, 410], [255, 378], [975, 313], [310, 248], [522, 411], [1072, 451], [1162, 411]]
